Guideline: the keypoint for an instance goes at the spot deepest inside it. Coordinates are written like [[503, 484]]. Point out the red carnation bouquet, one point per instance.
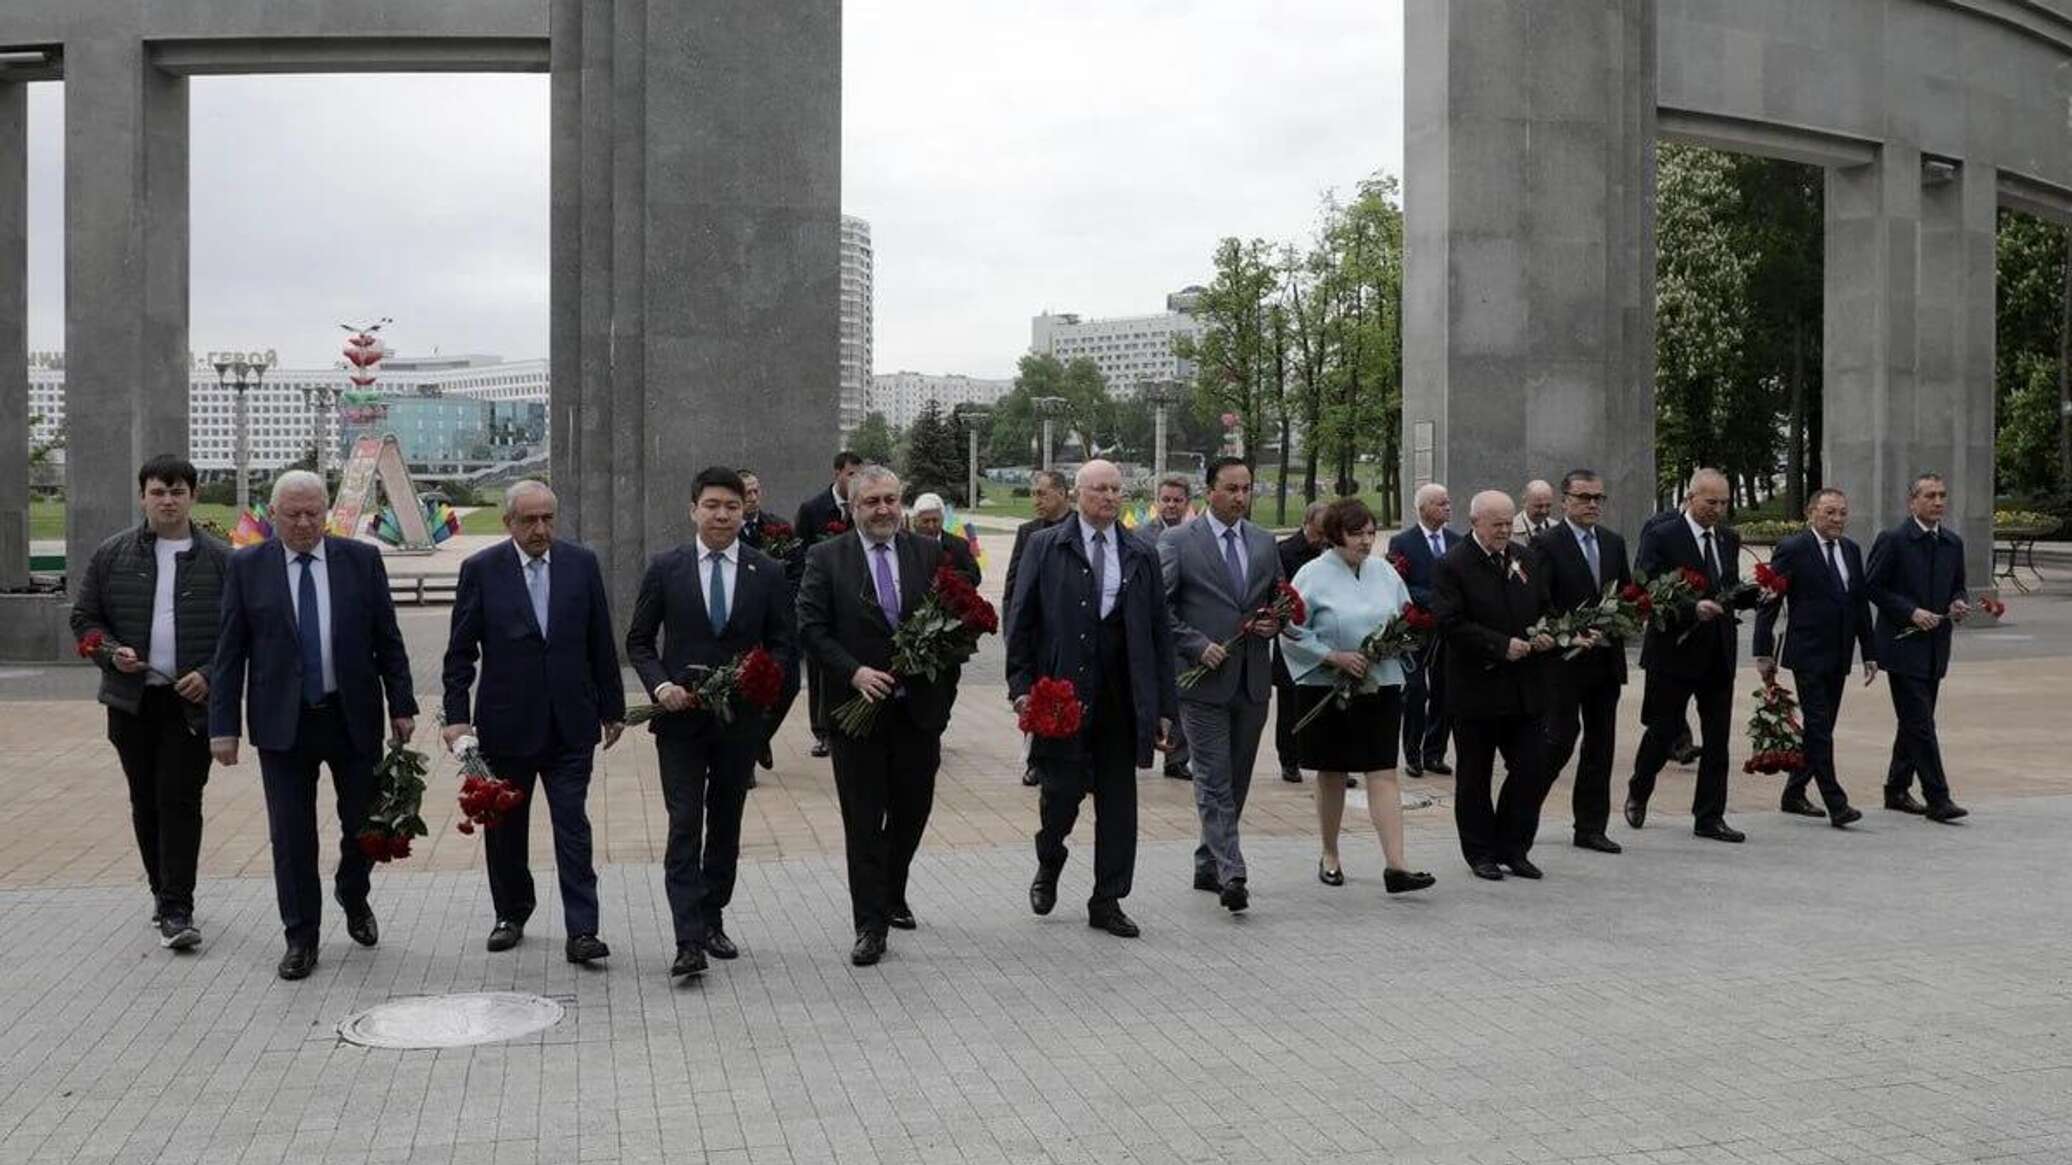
[[1775, 735], [780, 541], [1619, 613], [1404, 636], [1284, 604], [1053, 711], [1772, 582], [395, 814], [940, 635], [94, 646], [1986, 603], [753, 678]]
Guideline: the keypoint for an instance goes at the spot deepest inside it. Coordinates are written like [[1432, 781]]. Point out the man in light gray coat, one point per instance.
[[1219, 572]]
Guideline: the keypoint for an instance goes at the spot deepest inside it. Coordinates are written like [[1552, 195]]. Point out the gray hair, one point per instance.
[[1180, 480], [866, 474], [928, 503], [1053, 478], [519, 489], [1539, 485], [1707, 476], [1426, 492], [1484, 504], [298, 481], [1314, 513]]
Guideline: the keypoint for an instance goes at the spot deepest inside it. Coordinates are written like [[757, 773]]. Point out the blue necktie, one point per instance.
[[1234, 564], [1438, 547], [309, 630], [716, 594], [1590, 553], [536, 586]]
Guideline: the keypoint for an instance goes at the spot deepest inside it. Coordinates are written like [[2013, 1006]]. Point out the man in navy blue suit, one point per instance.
[[1425, 726], [1829, 620], [533, 609], [701, 605], [1915, 579], [309, 619]]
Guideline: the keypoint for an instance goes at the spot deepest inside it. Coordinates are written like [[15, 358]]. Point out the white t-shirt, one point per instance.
[[163, 657]]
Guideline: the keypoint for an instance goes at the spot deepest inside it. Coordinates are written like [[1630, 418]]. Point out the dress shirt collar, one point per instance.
[[317, 552], [731, 552], [1581, 532], [869, 541], [1698, 532], [546, 556], [1087, 530], [1927, 529], [1428, 531], [1218, 527]]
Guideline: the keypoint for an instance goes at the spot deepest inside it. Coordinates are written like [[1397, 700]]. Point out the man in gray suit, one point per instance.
[[1219, 570]]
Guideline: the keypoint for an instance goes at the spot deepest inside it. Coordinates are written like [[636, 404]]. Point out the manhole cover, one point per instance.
[[450, 1021]]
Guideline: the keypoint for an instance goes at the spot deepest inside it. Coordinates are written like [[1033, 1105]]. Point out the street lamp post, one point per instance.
[[239, 375], [974, 419], [1163, 393], [1048, 408], [321, 400]]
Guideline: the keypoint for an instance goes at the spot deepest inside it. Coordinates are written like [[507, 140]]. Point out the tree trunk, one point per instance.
[[1795, 450]]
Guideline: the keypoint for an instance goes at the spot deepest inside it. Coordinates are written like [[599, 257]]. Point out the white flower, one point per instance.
[[464, 745]]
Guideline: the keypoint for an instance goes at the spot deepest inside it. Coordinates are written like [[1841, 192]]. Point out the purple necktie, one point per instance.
[[888, 594]]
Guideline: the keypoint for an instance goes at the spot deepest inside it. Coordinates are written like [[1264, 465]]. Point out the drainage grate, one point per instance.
[[450, 1021]]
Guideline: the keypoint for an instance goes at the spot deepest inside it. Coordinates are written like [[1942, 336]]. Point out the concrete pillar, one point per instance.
[[14, 348], [1909, 340], [125, 280], [1529, 250], [706, 216]]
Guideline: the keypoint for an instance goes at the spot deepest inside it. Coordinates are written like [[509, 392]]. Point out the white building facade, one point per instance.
[[1130, 351], [856, 321], [902, 395]]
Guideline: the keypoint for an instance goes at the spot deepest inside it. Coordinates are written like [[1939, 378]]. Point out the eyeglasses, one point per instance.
[[1587, 497]]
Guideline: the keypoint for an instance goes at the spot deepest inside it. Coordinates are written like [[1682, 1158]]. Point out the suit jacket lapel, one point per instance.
[[745, 575], [913, 587], [513, 566], [276, 564], [1218, 569]]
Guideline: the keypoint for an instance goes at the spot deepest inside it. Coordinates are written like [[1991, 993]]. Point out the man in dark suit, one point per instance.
[[534, 610], [309, 618], [755, 532], [823, 516], [1691, 655], [926, 519], [1296, 551], [1580, 557], [1422, 545], [1829, 619], [1173, 507], [1052, 500], [706, 602], [857, 590], [1487, 594], [1090, 608], [1915, 578], [1682, 750]]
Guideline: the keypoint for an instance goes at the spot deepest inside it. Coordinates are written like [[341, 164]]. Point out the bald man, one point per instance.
[[1535, 512]]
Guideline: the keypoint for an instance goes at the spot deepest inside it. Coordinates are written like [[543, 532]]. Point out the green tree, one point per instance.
[[873, 440], [1011, 433], [2033, 448], [1088, 419], [935, 457], [1232, 361]]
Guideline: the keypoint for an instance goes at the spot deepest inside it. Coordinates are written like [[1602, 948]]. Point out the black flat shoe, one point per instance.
[[1720, 831], [1115, 922], [1292, 776], [1904, 801], [177, 932], [1330, 877], [901, 918], [1801, 807], [1438, 768], [1406, 881], [504, 935], [764, 759], [869, 948], [1030, 778], [690, 960], [585, 948], [1043, 892], [1598, 842], [1207, 883], [364, 930], [1179, 771], [298, 963], [1412, 771], [1520, 867], [1946, 812], [1234, 897], [1636, 812], [1846, 815], [1489, 871], [820, 747], [718, 945]]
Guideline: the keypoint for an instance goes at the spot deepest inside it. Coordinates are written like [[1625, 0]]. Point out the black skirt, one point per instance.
[[1358, 738]]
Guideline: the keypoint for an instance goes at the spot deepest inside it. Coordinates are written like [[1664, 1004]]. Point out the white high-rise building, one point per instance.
[[902, 395], [856, 321], [1129, 350]]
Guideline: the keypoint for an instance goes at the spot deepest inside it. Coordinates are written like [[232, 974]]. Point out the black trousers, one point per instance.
[[1916, 752], [1663, 708], [705, 770], [166, 766], [290, 780], [1425, 723], [1820, 703], [563, 773], [1104, 766], [816, 708], [1590, 713], [1504, 830], [1287, 710], [886, 783]]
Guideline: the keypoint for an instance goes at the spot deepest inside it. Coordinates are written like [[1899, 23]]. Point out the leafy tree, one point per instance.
[[1232, 365], [873, 439], [935, 457], [2033, 449]]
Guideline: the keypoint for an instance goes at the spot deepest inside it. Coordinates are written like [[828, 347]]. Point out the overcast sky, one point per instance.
[[1011, 156]]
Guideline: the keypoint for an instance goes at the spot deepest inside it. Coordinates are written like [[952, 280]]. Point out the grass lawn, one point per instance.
[[47, 519]]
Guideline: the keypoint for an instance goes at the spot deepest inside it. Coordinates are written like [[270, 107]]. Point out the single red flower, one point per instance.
[[90, 645], [1696, 580], [1290, 600]]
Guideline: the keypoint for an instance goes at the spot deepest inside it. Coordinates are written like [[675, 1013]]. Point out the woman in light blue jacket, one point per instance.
[[1349, 594]]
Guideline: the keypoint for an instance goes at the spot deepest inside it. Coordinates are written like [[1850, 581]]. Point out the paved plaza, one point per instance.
[[1894, 993]]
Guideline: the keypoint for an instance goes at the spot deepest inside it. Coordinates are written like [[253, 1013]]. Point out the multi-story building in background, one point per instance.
[[902, 395], [857, 324], [1129, 350]]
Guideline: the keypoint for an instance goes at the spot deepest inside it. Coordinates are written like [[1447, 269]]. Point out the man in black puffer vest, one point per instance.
[[153, 595]]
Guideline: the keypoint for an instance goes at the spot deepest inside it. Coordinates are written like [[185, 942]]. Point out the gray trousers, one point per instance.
[[1224, 742]]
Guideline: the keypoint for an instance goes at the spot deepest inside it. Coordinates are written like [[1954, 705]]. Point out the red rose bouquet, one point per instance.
[[1775, 735], [940, 635], [484, 796], [94, 646], [753, 678], [1619, 613], [1405, 635], [780, 541], [1772, 582], [835, 528], [1053, 711], [395, 814], [1284, 604]]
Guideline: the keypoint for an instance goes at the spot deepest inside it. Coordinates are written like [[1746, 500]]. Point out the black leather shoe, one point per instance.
[[1522, 868], [1328, 876], [298, 963], [1114, 921], [1636, 812], [1030, 778], [1207, 883], [1412, 771], [766, 760], [820, 746], [869, 948], [585, 948], [1043, 892], [1351, 781], [1179, 771], [1438, 768], [1802, 807], [1598, 842], [1405, 881], [1292, 776], [1846, 815], [1687, 755], [177, 932], [690, 960], [1947, 812], [1487, 870], [504, 935], [363, 928], [1904, 801], [901, 917], [718, 945], [1235, 897], [1719, 831]]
